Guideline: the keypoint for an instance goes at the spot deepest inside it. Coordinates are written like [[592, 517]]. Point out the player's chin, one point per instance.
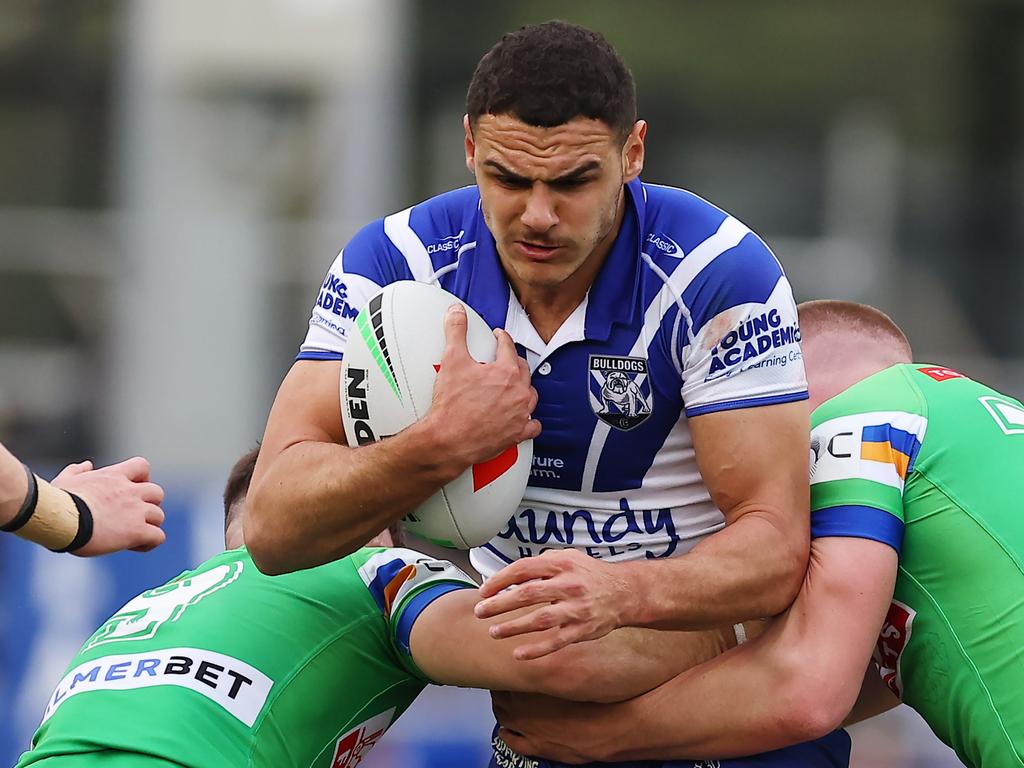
[[545, 274]]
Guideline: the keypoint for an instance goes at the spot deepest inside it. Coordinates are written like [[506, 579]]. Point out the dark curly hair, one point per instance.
[[548, 74]]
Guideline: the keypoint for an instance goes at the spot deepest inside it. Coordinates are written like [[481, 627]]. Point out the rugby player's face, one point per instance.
[[551, 197]]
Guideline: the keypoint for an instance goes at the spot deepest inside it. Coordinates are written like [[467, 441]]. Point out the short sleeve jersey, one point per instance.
[[690, 314], [930, 462], [226, 666]]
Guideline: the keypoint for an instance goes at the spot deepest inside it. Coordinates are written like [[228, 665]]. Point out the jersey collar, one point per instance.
[[613, 296]]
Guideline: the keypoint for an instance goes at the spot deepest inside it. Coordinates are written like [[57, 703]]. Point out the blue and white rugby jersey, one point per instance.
[[690, 314]]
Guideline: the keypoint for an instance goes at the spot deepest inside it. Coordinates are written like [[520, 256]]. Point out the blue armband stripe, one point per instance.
[[753, 402], [417, 604], [318, 356], [860, 522]]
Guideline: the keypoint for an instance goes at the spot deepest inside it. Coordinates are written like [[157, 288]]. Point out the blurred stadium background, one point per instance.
[[176, 176]]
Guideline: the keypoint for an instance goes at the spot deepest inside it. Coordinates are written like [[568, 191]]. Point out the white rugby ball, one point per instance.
[[387, 384]]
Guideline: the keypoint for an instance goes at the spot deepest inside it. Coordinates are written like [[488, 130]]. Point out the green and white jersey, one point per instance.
[[224, 666], [932, 463]]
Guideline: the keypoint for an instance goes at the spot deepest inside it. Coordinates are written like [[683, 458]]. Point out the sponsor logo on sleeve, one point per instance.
[[240, 689], [665, 245], [333, 298], [899, 623], [880, 446], [755, 343], [394, 574], [446, 244], [941, 374], [353, 747], [620, 390]]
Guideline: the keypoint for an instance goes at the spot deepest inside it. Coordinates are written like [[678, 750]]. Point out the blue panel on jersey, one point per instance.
[[613, 296], [745, 274], [567, 420], [629, 454], [441, 224], [752, 402], [417, 604], [372, 255], [860, 522], [479, 280], [678, 219], [318, 356]]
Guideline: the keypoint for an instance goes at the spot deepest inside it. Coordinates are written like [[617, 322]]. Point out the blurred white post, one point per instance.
[[862, 205], [201, 140]]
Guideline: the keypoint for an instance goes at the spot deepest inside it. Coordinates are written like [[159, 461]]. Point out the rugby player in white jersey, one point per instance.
[[658, 347]]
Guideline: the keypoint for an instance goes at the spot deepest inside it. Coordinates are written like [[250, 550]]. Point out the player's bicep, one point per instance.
[[451, 646], [307, 409], [756, 459]]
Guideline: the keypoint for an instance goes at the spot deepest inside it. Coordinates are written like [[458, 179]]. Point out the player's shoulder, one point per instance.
[[406, 244], [715, 261], [439, 215], [891, 394], [678, 221]]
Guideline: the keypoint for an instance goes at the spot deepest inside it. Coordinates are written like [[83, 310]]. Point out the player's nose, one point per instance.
[[539, 215]]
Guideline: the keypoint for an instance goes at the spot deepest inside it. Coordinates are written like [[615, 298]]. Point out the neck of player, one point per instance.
[[549, 305]]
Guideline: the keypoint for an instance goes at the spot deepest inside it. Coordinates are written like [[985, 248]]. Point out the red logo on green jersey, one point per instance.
[[353, 747], [892, 642], [941, 374]]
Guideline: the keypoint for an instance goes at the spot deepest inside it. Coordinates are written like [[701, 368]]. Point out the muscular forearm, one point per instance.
[[720, 708], [13, 485], [688, 717], [316, 502], [750, 569], [627, 663]]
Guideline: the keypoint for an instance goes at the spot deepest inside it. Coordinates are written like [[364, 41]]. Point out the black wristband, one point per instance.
[[84, 525], [28, 507]]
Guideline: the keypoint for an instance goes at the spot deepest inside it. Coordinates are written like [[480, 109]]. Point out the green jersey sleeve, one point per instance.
[[864, 443], [404, 583]]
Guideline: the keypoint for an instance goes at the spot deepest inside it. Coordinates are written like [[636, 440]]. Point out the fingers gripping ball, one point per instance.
[[387, 383]]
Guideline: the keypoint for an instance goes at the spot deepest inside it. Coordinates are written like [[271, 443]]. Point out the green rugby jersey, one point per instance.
[[224, 666], [932, 463]]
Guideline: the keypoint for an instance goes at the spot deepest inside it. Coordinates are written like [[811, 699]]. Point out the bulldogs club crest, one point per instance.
[[620, 390]]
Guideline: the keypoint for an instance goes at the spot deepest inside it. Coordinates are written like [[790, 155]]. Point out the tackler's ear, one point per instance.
[[470, 144]]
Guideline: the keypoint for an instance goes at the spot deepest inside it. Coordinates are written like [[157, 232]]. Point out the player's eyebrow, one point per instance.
[[570, 176], [576, 173], [506, 173]]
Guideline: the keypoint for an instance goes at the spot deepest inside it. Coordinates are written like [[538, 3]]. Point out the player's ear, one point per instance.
[[470, 144], [633, 151]]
